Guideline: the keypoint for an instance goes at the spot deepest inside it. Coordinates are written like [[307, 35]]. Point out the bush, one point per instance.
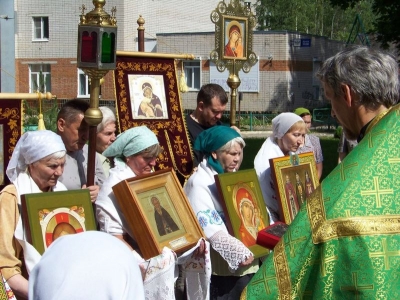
[[49, 111], [338, 132]]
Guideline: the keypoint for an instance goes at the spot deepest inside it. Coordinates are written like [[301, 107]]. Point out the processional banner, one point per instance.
[[147, 94]]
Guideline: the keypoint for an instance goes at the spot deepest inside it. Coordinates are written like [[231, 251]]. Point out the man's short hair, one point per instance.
[[209, 91], [371, 74], [72, 109]]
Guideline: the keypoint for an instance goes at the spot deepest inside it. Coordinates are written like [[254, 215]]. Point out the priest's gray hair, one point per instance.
[[372, 75]]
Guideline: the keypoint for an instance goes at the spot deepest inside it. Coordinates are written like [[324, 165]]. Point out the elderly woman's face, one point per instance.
[[230, 160], [46, 172], [105, 137], [141, 164], [292, 140]]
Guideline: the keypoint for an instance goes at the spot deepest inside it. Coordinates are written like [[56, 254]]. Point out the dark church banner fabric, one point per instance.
[[11, 130]]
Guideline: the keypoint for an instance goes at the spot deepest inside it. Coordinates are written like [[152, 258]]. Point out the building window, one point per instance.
[[192, 74], [83, 84], [40, 28], [40, 78]]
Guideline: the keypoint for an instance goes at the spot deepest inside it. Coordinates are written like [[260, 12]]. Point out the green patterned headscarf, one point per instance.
[[211, 140], [130, 142]]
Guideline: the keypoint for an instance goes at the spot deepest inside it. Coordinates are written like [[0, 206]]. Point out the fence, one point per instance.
[[246, 121]]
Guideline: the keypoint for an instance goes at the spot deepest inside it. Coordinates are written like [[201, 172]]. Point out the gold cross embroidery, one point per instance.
[[343, 168], [377, 192], [178, 141], [386, 254], [291, 243], [372, 135], [356, 288], [264, 280]]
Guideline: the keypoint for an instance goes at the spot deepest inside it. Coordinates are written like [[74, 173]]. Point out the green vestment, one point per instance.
[[345, 241]]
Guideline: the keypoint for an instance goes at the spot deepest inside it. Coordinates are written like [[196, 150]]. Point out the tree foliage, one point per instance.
[[386, 24], [320, 17]]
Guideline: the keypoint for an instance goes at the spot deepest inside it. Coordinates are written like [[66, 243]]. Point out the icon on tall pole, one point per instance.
[[234, 24]]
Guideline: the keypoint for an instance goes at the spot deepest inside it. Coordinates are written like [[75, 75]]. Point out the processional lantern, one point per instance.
[[97, 38], [97, 42]]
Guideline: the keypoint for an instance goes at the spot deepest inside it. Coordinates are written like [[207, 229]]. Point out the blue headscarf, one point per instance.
[[211, 140], [130, 142]]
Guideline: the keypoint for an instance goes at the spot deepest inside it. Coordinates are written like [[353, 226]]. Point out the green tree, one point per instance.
[[386, 23], [318, 17]]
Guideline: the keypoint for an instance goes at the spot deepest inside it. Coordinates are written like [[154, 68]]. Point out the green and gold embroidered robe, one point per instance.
[[345, 241]]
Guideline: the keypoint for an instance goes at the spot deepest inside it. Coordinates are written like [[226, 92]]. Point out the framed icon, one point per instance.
[[234, 24], [295, 177], [158, 213], [244, 207], [47, 216]]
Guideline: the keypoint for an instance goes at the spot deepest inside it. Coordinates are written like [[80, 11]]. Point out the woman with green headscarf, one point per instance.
[[232, 262], [135, 152]]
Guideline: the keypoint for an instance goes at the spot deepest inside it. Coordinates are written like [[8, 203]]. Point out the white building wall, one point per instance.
[[286, 77], [161, 16]]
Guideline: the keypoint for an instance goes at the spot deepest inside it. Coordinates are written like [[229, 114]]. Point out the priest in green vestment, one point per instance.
[[345, 241]]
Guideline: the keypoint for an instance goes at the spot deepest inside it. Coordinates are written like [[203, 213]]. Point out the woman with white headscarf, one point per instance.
[[288, 132], [135, 152], [35, 166], [89, 265]]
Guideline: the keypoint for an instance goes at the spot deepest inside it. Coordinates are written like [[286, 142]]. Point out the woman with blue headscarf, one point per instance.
[[232, 262]]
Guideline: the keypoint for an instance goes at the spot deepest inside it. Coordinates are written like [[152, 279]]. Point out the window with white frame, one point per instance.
[[39, 78], [192, 74], [83, 84], [40, 28]]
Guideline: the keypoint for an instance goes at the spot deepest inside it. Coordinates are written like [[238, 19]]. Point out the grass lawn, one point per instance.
[[329, 150]]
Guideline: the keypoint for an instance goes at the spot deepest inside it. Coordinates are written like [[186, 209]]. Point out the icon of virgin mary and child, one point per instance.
[[249, 213], [234, 47], [150, 106]]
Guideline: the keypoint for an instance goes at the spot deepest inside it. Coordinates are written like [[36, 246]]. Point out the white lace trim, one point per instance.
[[230, 248]]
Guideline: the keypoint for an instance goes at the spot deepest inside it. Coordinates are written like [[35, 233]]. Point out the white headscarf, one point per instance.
[[31, 147], [88, 265], [282, 123]]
